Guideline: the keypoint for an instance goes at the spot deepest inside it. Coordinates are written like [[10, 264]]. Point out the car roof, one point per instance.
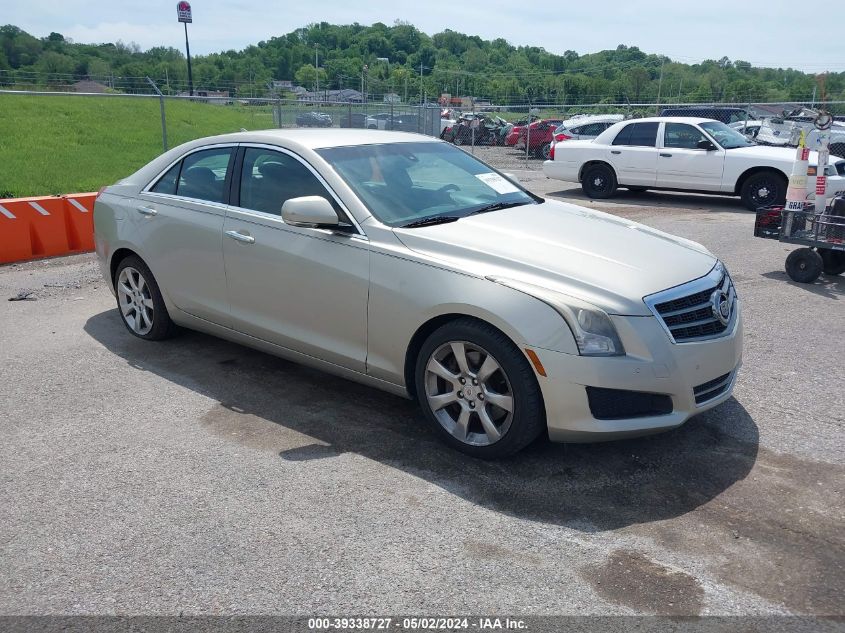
[[318, 139], [670, 119]]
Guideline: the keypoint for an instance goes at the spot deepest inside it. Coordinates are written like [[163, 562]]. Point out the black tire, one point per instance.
[[763, 189], [833, 262], [527, 421], [636, 189], [543, 151], [599, 181], [838, 149], [804, 265], [162, 327]]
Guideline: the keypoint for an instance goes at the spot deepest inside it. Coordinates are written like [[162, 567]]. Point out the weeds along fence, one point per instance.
[[59, 142]]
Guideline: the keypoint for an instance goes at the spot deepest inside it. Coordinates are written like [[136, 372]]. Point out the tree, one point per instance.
[[638, 77]]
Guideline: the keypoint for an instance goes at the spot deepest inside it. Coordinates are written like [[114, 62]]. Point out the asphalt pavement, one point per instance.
[[196, 476]]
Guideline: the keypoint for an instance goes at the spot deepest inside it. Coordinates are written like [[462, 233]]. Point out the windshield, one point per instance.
[[725, 136], [403, 183]]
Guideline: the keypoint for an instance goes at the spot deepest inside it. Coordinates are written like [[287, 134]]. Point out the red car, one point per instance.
[[513, 135], [540, 138]]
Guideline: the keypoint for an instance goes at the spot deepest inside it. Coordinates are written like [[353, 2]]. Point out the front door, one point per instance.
[[682, 164], [301, 288]]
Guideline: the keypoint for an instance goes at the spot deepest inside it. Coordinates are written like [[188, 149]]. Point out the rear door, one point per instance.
[[179, 219], [681, 164], [633, 154]]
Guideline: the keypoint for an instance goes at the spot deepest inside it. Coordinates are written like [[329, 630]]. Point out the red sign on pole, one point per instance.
[[183, 10]]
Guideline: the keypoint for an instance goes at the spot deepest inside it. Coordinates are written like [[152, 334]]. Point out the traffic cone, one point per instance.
[[796, 193]]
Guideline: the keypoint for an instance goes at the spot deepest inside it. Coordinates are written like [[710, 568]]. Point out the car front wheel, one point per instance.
[[478, 390], [763, 189], [599, 181], [139, 301]]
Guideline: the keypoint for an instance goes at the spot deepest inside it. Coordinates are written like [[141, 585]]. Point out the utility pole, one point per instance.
[[421, 87], [183, 12], [660, 84], [316, 72]]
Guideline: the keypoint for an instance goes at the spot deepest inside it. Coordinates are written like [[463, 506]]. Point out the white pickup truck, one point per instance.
[[683, 154]]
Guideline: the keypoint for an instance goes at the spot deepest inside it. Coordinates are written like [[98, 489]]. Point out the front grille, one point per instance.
[[711, 389], [690, 317], [619, 404]]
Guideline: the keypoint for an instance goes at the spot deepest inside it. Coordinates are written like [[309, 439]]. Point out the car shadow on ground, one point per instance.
[[659, 199], [830, 286], [266, 403]]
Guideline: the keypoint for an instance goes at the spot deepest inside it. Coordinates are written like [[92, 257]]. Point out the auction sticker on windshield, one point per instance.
[[497, 183]]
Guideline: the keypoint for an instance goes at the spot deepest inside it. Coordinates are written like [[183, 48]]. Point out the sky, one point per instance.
[[772, 33]]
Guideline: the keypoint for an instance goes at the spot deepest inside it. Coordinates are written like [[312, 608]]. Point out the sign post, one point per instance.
[[183, 11]]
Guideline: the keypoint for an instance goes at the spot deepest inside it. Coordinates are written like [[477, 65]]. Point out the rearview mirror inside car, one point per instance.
[[309, 211]]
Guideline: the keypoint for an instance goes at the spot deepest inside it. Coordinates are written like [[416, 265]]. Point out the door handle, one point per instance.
[[148, 211], [615, 151], [666, 155], [240, 237]]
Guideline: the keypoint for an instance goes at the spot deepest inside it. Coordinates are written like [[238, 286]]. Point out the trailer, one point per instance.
[[821, 236]]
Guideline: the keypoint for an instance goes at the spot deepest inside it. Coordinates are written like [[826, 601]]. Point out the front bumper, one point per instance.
[[654, 364]]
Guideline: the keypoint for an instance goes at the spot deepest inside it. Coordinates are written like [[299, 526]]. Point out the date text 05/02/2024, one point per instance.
[[416, 623]]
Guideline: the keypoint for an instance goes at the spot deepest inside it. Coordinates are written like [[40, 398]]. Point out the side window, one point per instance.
[[203, 175], [270, 178], [624, 135], [682, 136], [644, 134], [167, 183], [593, 129]]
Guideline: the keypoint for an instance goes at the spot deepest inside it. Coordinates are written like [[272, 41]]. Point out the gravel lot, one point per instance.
[[196, 476]]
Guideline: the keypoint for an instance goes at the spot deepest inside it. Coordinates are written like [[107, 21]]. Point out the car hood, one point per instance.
[[785, 155], [606, 260]]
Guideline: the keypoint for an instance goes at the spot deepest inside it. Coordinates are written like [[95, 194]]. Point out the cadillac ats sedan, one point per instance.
[[403, 262]]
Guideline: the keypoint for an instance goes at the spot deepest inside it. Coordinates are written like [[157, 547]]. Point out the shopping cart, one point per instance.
[[821, 235]]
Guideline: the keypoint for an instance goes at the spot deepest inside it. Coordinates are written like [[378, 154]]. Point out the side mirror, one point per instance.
[[309, 211], [707, 145]]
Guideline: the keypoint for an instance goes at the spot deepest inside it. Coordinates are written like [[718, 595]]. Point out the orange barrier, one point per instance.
[[46, 226]]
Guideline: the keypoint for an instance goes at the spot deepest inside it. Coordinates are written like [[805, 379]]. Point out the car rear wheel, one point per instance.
[[804, 265], [599, 181], [833, 262], [544, 150], [139, 301], [763, 189], [478, 390]]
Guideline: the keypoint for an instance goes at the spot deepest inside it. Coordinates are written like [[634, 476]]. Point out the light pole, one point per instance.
[[316, 73]]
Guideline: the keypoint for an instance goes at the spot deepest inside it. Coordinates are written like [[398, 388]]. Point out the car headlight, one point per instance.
[[591, 327]]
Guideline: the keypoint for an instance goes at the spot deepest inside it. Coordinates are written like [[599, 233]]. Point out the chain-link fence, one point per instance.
[[55, 142]]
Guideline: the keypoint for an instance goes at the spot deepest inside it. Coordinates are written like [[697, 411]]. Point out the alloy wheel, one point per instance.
[[136, 301], [469, 393]]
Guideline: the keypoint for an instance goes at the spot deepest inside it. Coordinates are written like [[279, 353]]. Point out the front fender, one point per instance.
[[405, 295]]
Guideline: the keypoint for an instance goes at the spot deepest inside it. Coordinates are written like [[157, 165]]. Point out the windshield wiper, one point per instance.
[[497, 206], [436, 219]]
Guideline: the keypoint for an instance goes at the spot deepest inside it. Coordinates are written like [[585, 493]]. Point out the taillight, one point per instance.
[[562, 137], [552, 152]]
